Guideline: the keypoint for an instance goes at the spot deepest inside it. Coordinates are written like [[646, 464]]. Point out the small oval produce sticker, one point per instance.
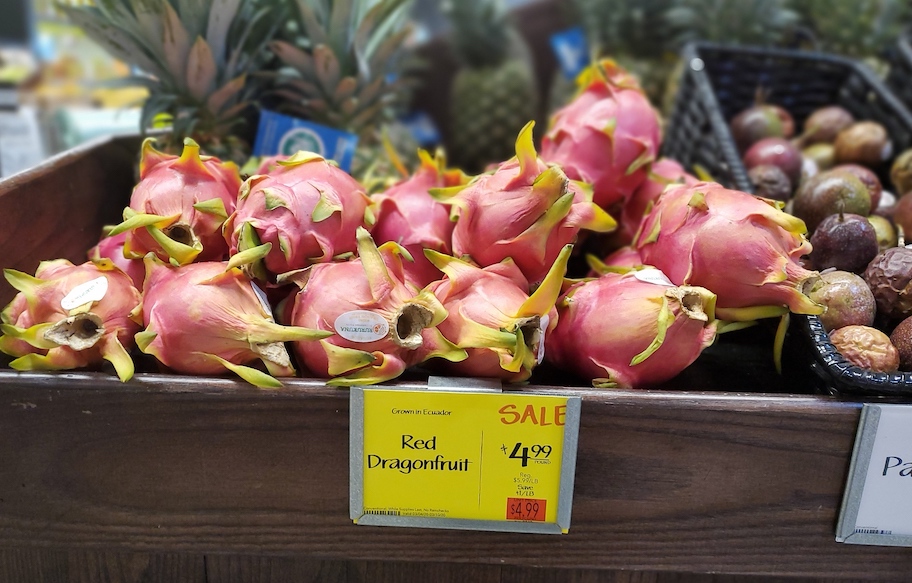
[[361, 326], [90, 291], [652, 275]]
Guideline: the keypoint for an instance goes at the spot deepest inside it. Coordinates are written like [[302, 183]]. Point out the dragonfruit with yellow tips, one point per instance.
[[525, 210], [71, 316], [179, 206], [493, 318], [305, 211], [631, 330], [210, 318], [407, 214], [380, 324], [743, 248], [607, 136]]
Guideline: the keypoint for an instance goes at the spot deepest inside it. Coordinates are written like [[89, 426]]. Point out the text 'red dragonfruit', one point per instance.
[[524, 210], [206, 318], [743, 248], [179, 206], [631, 330], [307, 209], [379, 324], [407, 214], [607, 136], [71, 316], [493, 318]]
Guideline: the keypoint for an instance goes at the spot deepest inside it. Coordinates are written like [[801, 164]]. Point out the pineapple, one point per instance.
[[749, 22], [494, 94], [864, 29], [348, 75], [198, 81]]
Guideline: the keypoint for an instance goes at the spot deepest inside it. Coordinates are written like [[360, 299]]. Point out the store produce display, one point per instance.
[[834, 171]]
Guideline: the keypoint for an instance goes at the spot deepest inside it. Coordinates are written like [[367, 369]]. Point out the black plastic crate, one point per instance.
[[899, 79], [719, 81]]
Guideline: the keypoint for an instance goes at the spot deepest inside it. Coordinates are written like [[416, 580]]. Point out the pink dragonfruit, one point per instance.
[[206, 318], [111, 248], [71, 316], [407, 214], [607, 135], [379, 324], [307, 209], [655, 329], [493, 318], [525, 210], [179, 206], [743, 248], [663, 173]]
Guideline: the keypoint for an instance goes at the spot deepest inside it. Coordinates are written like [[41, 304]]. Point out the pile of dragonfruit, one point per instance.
[[298, 271]]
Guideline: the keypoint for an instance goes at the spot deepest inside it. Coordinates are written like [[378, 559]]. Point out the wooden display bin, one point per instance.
[[178, 478]]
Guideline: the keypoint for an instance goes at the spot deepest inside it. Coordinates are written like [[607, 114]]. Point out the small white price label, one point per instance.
[[876, 507]]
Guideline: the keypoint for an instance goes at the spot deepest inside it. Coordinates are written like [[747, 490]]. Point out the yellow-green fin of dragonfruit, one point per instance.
[[386, 370], [475, 335], [751, 313], [698, 201], [525, 151], [35, 362], [190, 160], [253, 376], [23, 282], [114, 352], [642, 160], [325, 208], [213, 206], [378, 278], [544, 298], [438, 346], [150, 157], [664, 321], [300, 157], [144, 339], [342, 360], [34, 335], [249, 256], [134, 220], [176, 251], [779, 340]]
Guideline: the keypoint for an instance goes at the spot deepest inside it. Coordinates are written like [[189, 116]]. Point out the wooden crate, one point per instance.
[[209, 479]]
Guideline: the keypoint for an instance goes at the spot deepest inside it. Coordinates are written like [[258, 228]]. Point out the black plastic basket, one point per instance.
[[899, 79], [719, 81]]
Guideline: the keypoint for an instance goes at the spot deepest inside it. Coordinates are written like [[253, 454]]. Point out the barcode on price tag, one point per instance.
[[526, 509]]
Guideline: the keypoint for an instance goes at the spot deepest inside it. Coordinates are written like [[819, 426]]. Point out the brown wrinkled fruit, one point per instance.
[[889, 275], [901, 337], [866, 347]]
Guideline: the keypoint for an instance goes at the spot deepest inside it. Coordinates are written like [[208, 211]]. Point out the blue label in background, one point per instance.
[[422, 128], [570, 48], [284, 135]]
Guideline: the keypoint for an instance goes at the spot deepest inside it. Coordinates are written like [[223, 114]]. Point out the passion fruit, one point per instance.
[[778, 152], [761, 121], [825, 123], [863, 142], [844, 241], [889, 275], [829, 193], [866, 347], [901, 173], [847, 298]]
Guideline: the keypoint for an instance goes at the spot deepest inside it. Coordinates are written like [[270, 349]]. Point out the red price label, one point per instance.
[[526, 509]]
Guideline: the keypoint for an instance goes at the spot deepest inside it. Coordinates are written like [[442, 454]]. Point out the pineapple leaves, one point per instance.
[[327, 68], [201, 70], [216, 102], [221, 15], [175, 44]]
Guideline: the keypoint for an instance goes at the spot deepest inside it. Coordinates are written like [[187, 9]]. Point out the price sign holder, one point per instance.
[[472, 459], [876, 506]]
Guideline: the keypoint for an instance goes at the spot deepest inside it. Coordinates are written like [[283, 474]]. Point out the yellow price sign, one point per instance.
[[455, 459]]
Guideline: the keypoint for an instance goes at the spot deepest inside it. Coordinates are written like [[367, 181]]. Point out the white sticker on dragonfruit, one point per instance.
[[652, 275], [90, 291], [543, 328], [361, 326], [261, 295]]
